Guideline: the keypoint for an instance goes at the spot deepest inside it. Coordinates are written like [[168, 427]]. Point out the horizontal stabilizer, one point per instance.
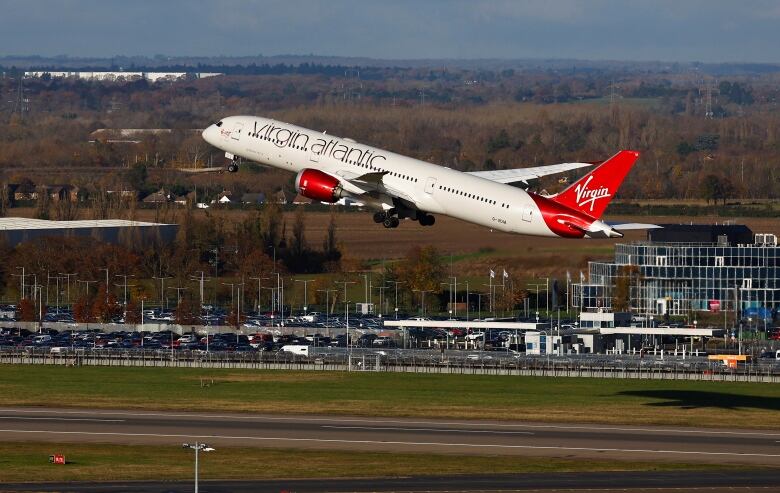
[[202, 170], [630, 226]]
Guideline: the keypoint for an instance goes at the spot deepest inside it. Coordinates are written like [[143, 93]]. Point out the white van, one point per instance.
[[296, 349]]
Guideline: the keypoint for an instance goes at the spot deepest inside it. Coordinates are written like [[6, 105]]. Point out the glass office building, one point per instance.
[[722, 268]]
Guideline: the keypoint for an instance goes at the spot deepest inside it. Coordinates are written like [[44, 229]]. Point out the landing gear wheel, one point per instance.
[[426, 220], [395, 222], [379, 217], [232, 167], [388, 222]]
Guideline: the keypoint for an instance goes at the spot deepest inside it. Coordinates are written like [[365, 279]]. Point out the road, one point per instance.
[[690, 445], [633, 482]]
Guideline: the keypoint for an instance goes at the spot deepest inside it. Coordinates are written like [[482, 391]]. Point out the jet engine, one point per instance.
[[317, 185]]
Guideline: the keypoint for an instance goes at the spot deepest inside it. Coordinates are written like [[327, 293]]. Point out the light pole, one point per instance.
[[68, 276], [106, 269], [124, 285], [346, 308], [22, 275], [197, 447], [396, 295], [449, 308], [162, 289], [305, 294], [381, 290], [201, 281], [259, 290], [422, 292], [327, 305]]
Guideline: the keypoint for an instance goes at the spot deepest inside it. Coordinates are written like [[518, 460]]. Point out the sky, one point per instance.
[[663, 30]]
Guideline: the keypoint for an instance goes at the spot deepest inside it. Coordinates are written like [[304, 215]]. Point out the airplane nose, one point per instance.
[[208, 134]]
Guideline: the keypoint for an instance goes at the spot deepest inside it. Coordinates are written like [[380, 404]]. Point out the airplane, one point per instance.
[[397, 187]]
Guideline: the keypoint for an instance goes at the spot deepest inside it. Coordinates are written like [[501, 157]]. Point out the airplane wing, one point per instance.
[[370, 184], [526, 174]]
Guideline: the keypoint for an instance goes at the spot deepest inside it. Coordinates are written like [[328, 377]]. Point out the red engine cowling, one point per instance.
[[317, 185]]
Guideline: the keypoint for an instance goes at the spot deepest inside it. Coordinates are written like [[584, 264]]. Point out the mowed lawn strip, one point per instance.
[[25, 462], [608, 401]]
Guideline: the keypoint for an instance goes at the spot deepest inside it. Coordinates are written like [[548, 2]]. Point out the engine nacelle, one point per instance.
[[316, 185]]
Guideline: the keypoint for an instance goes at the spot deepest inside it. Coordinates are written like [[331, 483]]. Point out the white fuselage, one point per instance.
[[429, 187]]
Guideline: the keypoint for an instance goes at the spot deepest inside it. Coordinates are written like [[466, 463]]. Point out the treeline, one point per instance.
[[259, 246], [468, 120]]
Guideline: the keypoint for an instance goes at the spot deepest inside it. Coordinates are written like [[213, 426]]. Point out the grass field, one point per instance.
[[24, 462], [389, 394]]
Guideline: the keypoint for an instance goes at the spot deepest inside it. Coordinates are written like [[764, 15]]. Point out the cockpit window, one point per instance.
[[219, 124]]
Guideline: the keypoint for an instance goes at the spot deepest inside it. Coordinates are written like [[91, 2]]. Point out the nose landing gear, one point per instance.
[[232, 167]]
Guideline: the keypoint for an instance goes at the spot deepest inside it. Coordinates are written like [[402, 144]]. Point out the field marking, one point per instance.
[[398, 421], [390, 442], [450, 430], [33, 418]]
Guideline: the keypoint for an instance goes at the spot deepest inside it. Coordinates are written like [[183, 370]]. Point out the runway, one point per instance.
[[644, 443]]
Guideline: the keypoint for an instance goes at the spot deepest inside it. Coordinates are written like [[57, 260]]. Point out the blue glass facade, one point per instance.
[[678, 278]]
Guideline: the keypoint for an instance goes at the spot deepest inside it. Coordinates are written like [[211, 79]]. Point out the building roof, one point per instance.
[[23, 223]]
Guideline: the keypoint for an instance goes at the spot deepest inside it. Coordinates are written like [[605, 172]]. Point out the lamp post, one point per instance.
[[305, 294], [162, 289], [449, 308], [197, 447], [327, 304], [346, 309], [396, 295], [381, 290], [422, 293]]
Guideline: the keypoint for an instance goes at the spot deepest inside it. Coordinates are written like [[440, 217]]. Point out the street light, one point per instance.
[[305, 294], [346, 309], [396, 295], [197, 447], [422, 292], [327, 305]]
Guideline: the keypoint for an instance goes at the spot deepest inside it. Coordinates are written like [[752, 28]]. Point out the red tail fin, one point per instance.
[[592, 192]]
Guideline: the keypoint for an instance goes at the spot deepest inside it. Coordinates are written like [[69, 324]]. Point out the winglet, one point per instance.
[[591, 193]]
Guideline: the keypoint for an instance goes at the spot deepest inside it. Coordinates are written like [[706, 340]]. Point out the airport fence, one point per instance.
[[407, 362]]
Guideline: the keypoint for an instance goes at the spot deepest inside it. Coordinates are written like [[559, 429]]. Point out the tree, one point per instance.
[[132, 312], [27, 312], [710, 188], [82, 310], [105, 307], [421, 269], [628, 276], [187, 312]]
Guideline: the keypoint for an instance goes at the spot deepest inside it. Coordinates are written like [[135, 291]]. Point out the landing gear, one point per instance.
[[391, 222], [232, 167], [426, 220], [379, 217]]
